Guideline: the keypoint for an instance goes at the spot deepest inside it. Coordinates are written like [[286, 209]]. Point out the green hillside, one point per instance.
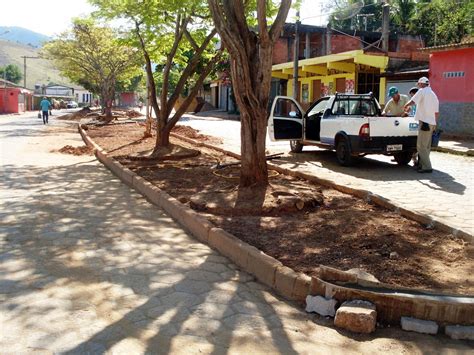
[[39, 71]]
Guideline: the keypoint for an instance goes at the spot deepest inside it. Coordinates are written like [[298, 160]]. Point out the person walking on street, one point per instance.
[[45, 106], [395, 106], [427, 112]]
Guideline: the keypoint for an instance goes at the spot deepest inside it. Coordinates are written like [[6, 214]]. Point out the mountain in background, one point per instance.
[[23, 36], [38, 71]]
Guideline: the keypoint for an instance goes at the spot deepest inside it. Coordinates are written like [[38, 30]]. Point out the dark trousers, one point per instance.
[[45, 117]]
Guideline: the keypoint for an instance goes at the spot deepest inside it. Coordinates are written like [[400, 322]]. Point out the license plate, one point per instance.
[[394, 147]]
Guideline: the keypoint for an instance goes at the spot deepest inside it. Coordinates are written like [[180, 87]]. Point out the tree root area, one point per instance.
[[300, 223]]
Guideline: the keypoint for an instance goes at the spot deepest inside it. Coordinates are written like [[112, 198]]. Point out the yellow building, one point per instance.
[[353, 72]]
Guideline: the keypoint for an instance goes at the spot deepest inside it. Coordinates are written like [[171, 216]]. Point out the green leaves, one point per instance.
[[92, 55], [11, 72]]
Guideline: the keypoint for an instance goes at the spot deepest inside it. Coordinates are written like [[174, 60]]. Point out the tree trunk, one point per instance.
[[108, 95], [251, 62], [254, 164]]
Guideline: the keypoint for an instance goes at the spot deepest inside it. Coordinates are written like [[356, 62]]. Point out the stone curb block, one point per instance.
[[356, 316], [419, 325], [301, 287], [285, 279], [459, 332], [103, 157], [321, 305], [115, 167], [87, 140], [127, 175], [230, 246], [196, 224], [263, 267], [468, 153], [172, 206], [367, 195], [147, 189]]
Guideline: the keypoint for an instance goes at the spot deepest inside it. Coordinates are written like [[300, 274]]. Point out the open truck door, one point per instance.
[[286, 119]]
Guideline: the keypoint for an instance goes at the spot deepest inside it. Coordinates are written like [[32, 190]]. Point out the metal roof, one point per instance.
[[467, 43]]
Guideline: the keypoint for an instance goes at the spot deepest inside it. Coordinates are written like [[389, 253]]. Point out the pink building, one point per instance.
[[14, 99], [451, 78]]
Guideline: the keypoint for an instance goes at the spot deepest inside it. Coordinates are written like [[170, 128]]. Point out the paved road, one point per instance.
[[447, 194], [89, 266]]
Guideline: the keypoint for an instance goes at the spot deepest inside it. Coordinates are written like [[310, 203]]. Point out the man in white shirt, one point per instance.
[[427, 111]]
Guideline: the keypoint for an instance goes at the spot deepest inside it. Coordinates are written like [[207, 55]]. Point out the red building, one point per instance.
[[14, 99], [451, 78], [127, 99]]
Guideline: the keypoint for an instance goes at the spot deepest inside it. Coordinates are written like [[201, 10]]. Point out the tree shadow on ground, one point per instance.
[[371, 169], [78, 227]]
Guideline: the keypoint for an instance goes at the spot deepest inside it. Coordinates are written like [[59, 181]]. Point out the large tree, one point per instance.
[[11, 72], [177, 37], [443, 21], [403, 11], [94, 56], [250, 46]]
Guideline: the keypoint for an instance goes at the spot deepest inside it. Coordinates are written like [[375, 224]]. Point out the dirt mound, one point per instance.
[[193, 133], [82, 150], [133, 114], [76, 115], [86, 112]]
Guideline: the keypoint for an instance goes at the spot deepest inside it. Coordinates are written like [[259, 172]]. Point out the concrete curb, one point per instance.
[[364, 194], [393, 303], [467, 153], [265, 268]]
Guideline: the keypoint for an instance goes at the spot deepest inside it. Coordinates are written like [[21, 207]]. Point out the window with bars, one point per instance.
[[453, 74]]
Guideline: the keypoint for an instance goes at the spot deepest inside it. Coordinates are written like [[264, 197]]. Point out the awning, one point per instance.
[[345, 62]]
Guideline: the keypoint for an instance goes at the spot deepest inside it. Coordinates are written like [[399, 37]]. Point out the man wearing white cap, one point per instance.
[[427, 111]]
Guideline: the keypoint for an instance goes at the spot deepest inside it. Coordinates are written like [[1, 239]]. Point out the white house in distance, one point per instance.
[[82, 96]]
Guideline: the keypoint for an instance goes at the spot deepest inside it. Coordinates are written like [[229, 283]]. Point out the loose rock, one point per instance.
[[394, 255], [321, 305], [460, 332], [419, 325], [357, 316]]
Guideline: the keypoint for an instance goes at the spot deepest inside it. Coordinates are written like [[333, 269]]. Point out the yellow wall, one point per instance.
[[326, 80]]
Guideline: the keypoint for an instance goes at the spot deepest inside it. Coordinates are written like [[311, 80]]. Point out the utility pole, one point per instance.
[[385, 26], [296, 56], [5, 89], [24, 68]]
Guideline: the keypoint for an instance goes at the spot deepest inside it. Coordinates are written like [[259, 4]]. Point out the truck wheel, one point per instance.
[[343, 153], [296, 146], [403, 158]]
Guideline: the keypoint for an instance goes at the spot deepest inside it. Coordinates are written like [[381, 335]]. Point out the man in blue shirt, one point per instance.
[[45, 105]]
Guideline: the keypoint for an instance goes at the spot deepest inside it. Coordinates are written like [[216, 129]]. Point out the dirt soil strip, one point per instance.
[[342, 231]]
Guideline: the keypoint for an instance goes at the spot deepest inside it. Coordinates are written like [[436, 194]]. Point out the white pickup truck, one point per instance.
[[350, 124]]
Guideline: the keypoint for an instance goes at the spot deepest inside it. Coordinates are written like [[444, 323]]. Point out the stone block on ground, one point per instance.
[[419, 325], [320, 305], [285, 281], [301, 287], [460, 332], [356, 316]]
